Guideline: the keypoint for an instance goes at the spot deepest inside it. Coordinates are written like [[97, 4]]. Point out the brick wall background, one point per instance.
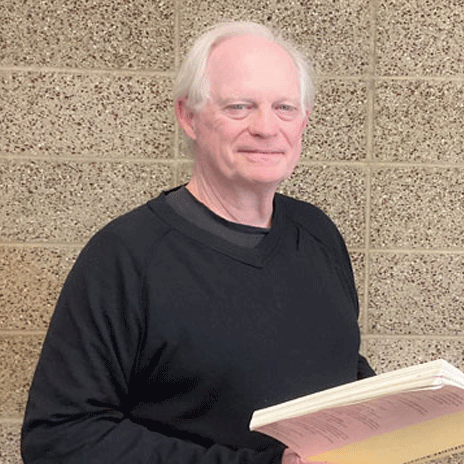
[[87, 132]]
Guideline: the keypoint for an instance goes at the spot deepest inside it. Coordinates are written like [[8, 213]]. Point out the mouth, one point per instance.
[[260, 151], [261, 156]]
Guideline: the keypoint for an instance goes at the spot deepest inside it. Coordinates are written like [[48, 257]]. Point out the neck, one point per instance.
[[252, 208]]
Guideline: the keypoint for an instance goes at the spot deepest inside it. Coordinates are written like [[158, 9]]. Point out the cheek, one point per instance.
[[294, 137], [207, 135], [222, 131], [296, 134]]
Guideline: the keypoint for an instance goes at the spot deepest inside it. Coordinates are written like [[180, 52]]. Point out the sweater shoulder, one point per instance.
[[313, 220], [137, 232], [141, 224]]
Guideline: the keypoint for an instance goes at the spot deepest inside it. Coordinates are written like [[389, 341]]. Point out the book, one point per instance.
[[406, 416]]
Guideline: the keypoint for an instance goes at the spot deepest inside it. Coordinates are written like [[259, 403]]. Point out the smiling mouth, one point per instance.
[[258, 151], [262, 157]]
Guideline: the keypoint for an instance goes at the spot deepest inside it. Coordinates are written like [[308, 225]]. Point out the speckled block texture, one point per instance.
[[416, 294], [419, 121], [133, 34], [417, 207], [336, 35], [70, 201], [389, 353], [18, 359], [58, 114], [9, 443], [420, 37], [87, 133], [341, 110], [452, 459], [32, 284], [195, 16]]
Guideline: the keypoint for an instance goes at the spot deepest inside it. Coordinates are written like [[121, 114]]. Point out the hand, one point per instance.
[[290, 457]]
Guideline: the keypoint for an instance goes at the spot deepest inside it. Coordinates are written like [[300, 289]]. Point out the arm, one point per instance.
[[364, 369], [81, 396]]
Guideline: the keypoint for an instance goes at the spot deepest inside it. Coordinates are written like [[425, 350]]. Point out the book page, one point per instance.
[[411, 445], [338, 427]]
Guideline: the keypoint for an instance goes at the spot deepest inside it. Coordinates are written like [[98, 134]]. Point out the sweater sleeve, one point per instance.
[[364, 369], [327, 232], [80, 399]]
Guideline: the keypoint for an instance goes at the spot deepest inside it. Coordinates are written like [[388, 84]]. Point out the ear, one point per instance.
[[305, 121], [185, 117]]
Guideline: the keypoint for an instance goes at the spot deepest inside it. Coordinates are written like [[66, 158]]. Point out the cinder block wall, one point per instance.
[[87, 132]]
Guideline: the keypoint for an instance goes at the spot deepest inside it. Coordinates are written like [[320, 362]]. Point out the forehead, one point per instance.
[[250, 63]]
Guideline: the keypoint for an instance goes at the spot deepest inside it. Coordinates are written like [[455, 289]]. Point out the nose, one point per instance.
[[263, 123]]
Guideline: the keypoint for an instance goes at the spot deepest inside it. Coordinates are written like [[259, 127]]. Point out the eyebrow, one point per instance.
[[228, 100]]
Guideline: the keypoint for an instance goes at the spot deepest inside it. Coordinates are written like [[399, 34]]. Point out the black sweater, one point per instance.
[[165, 339]]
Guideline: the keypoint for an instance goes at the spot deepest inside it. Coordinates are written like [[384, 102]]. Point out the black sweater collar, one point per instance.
[[256, 256]]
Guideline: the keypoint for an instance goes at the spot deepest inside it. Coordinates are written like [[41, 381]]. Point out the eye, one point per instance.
[[238, 106], [287, 111], [238, 110]]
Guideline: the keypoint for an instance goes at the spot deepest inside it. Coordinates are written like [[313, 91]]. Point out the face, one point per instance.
[[249, 132]]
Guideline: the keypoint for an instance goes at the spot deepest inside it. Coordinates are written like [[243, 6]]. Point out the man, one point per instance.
[[214, 299]]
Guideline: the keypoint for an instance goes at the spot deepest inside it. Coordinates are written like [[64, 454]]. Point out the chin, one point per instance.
[[269, 174], [267, 179]]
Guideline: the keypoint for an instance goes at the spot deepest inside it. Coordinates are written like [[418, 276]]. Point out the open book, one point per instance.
[[410, 415]]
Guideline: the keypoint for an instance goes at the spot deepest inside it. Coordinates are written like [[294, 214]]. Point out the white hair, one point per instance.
[[192, 80]]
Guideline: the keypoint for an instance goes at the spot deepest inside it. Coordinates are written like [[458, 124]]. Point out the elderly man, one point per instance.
[[217, 298]]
